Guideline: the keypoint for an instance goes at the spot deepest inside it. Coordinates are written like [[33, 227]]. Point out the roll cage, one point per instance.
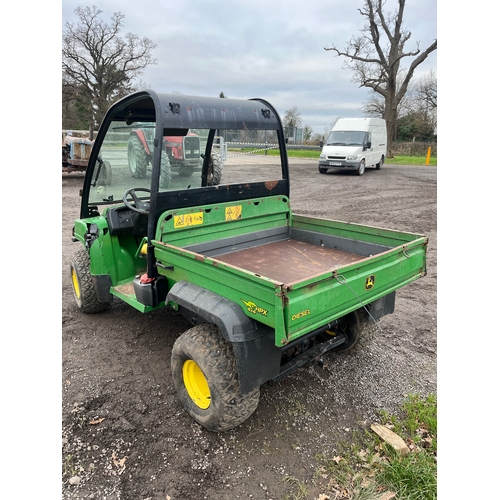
[[173, 114]]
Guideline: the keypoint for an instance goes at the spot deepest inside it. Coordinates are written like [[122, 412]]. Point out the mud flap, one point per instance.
[[257, 357]]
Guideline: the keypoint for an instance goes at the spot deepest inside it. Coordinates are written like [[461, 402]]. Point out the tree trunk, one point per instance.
[[390, 116]]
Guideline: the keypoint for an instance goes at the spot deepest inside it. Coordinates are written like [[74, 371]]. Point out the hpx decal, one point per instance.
[[253, 308]]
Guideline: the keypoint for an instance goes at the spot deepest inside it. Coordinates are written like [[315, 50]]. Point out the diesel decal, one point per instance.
[[370, 282], [301, 314], [253, 308]]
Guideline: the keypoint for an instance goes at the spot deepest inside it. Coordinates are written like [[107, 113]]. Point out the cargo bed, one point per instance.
[[293, 273]]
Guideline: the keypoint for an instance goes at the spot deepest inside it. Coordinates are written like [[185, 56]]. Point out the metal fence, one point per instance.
[[258, 139]]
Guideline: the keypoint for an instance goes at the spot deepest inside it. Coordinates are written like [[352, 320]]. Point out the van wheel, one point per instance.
[[322, 170], [206, 379], [361, 168], [380, 163]]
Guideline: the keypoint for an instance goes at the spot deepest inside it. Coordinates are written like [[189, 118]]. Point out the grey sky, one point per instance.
[[268, 49]]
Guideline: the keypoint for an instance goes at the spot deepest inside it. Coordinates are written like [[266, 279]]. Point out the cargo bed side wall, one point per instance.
[[201, 224]]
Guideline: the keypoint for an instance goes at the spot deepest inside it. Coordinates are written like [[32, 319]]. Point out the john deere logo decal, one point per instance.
[[370, 282], [253, 308]]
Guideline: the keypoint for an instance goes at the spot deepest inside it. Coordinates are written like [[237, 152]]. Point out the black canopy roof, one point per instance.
[[183, 111]]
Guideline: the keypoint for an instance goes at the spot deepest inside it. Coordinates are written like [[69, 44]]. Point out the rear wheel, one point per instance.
[[137, 157], [361, 168], [206, 379], [359, 328], [380, 163], [214, 169], [83, 284], [165, 171]]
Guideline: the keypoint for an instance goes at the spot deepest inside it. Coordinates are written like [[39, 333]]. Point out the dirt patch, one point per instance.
[[126, 435]]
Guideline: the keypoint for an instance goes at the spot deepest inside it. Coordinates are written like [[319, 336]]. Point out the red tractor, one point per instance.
[[183, 155]]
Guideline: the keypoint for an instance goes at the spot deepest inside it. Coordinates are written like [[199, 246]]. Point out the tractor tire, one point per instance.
[[214, 169], [165, 172], [186, 170], [137, 157], [361, 168], [360, 330], [105, 174], [206, 379], [83, 284]]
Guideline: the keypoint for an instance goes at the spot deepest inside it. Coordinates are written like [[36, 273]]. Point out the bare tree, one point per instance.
[[292, 118], [427, 90], [99, 64], [376, 56], [417, 108], [308, 132]]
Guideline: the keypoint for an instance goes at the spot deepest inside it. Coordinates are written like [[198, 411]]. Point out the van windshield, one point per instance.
[[346, 138]]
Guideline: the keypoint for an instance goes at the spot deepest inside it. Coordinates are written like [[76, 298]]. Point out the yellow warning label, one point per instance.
[[233, 213], [188, 220]]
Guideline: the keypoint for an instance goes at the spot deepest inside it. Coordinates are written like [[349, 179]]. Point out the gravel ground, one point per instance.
[[126, 436]]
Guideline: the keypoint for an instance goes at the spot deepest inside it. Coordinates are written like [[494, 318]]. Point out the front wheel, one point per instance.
[[186, 170], [104, 178], [83, 284], [206, 379], [322, 170], [361, 168]]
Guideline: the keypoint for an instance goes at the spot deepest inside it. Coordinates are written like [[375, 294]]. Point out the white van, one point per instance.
[[354, 144]]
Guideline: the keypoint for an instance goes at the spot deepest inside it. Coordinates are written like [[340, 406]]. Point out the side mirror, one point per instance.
[[321, 144], [368, 145]]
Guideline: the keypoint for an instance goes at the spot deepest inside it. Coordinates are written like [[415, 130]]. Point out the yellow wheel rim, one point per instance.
[[196, 384], [76, 285]]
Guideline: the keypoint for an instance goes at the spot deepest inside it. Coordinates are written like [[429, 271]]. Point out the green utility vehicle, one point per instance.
[[266, 290]]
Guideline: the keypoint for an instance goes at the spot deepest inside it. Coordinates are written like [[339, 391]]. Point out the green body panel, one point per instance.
[[115, 256], [357, 232], [234, 283], [314, 303], [254, 215], [128, 296]]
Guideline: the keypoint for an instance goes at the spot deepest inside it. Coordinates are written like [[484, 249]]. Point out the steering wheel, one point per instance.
[[141, 207]]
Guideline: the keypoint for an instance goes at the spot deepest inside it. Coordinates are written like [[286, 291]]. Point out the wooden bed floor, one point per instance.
[[289, 261]]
